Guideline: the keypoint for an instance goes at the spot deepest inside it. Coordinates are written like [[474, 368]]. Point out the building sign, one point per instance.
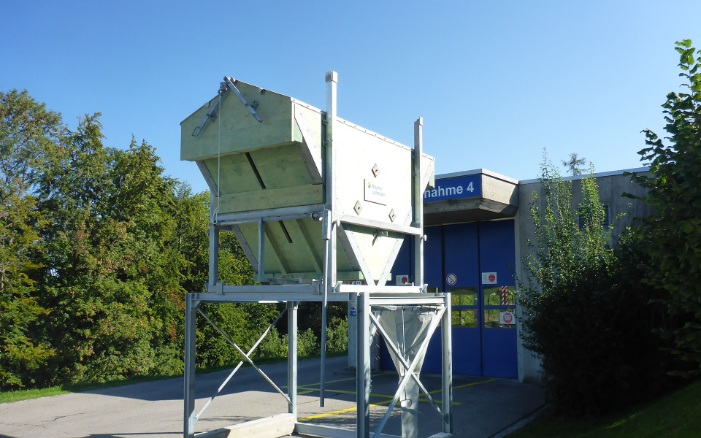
[[460, 187]]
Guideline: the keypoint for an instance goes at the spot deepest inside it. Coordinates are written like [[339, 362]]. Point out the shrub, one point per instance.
[[598, 342], [586, 312], [337, 337]]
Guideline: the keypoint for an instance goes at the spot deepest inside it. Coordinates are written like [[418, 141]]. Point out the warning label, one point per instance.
[[489, 278], [507, 318]]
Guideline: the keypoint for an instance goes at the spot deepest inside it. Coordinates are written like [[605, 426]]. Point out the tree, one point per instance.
[[673, 233], [100, 319], [562, 249], [575, 164], [97, 251], [26, 129], [114, 267], [585, 312]]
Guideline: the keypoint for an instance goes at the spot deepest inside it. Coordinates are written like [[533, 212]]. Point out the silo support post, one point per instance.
[[292, 357], [362, 370], [191, 305], [447, 372]]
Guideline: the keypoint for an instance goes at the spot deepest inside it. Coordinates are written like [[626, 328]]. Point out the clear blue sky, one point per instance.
[[495, 81]]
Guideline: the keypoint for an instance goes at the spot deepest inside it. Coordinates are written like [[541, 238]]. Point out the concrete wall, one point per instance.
[[623, 212]]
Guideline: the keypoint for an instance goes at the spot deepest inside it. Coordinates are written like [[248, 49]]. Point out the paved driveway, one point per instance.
[[482, 407]]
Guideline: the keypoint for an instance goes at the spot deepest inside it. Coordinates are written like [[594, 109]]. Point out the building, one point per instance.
[[477, 227]]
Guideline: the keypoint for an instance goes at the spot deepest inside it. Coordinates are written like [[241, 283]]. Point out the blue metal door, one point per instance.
[[475, 262], [433, 277], [497, 264], [461, 278]]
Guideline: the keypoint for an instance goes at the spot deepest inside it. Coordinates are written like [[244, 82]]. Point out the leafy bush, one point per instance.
[[274, 346], [307, 343], [673, 233], [337, 337], [586, 313], [596, 336]]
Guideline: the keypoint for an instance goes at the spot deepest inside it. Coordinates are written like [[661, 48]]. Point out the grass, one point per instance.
[[27, 394], [675, 415]]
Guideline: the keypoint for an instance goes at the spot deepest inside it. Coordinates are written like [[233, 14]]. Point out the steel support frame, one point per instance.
[[323, 291], [192, 308], [365, 303]]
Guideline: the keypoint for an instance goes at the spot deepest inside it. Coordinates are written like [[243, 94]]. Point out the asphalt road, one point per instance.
[[482, 407]]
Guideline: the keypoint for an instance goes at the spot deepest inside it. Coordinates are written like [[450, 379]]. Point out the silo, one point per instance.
[[320, 207]]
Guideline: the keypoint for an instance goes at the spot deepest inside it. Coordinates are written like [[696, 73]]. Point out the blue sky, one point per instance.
[[495, 81]]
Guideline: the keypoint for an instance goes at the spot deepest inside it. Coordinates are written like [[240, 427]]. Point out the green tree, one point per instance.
[[585, 313], [575, 164], [97, 318], [145, 201], [114, 266], [26, 129], [562, 249], [673, 233], [97, 251], [192, 236]]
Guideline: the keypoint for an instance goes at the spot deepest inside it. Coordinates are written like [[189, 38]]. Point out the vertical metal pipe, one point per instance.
[[261, 249], [190, 419], [331, 86], [292, 356], [329, 218], [447, 374], [213, 244], [331, 159], [418, 204], [363, 377], [322, 372], [326, 236]]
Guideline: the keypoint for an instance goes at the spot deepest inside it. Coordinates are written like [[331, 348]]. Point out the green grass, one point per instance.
[[27, 394], [675, 415], [13, 396]]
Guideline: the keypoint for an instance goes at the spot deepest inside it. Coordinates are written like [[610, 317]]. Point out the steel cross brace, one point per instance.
[[403, 361], [246, 356], [410, 370], [238, 366]]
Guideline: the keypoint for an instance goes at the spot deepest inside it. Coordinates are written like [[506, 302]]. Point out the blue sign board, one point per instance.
[[459, 187]]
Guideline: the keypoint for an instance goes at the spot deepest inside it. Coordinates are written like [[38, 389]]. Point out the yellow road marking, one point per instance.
[[473, 384], [341, 411], [312, 388]]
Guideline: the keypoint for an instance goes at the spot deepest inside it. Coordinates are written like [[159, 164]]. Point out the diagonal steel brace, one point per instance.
[[247, 357], [251, 109], [410, 370], [250, 351]]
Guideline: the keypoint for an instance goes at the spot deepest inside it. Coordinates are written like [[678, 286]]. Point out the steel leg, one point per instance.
[[190, 364]]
